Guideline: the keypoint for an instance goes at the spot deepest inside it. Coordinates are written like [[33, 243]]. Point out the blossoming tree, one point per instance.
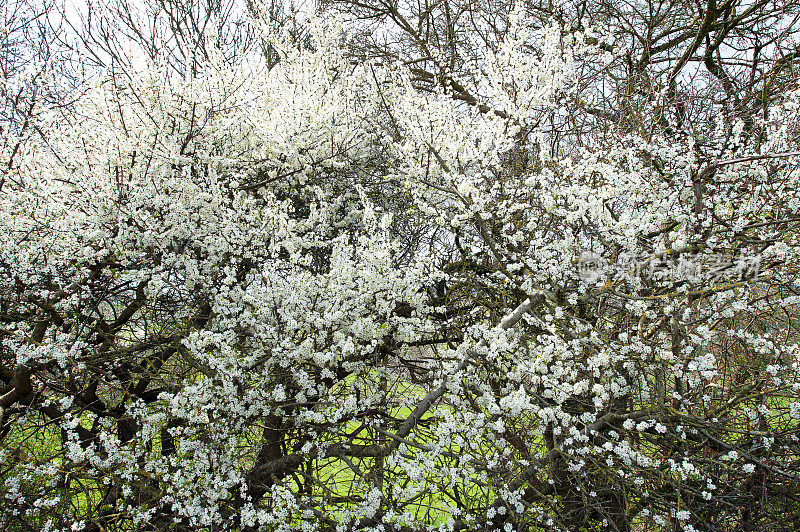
[[308, 295]]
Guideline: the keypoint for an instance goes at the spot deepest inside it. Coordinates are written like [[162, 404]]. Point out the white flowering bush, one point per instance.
[[311, 296]]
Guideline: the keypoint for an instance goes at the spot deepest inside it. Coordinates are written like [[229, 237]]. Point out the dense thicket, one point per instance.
[[400, 266]]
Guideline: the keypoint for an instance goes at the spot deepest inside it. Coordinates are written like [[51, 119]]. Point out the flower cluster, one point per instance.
[[309, 295]]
